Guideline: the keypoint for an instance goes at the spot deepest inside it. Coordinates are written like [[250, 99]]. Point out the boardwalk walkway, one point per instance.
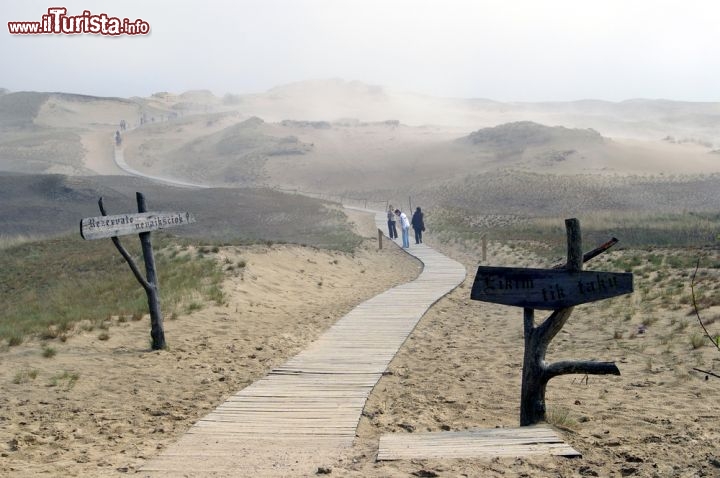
[[305, 412]]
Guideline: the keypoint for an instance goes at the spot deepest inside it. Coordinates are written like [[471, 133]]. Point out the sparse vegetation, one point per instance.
[[89, 281], [13, 338], [656, 314], [216, 294], [25, 375], [193, 306], [561, 418], [633, 209], [65, 380], [649, 320], [697, 340]]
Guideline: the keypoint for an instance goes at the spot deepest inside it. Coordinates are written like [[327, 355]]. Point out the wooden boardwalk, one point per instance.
[[304, 413]]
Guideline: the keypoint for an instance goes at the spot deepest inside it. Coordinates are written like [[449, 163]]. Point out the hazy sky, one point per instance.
[[508, 50]]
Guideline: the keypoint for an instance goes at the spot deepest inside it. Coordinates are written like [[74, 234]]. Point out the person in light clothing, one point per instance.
[[405, 226], [392, 230]]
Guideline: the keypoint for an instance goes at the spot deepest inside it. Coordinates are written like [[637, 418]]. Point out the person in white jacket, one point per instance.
[[405, 226]]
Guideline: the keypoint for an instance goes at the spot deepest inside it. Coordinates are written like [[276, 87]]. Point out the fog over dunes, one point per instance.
[[353, 139]]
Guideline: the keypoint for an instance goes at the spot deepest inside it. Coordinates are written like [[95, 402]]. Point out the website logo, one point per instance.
[[58, 22]]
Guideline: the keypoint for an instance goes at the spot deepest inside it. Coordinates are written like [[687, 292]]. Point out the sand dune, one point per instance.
[[102, 407], [174, 123]]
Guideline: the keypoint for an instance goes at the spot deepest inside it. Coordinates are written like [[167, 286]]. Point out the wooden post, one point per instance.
[[536, 373], [142, 224], [157, 331], [484, 247], [558, 289], [380, 236]]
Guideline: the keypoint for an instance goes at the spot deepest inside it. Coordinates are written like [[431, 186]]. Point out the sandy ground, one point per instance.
[[99, 148], [461, 369], [101, 407]]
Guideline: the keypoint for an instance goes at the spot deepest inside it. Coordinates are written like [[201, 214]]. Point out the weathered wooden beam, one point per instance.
[[157, 331], [594, 253], [574, 245], [105, 226], [582, 367], [547, 289]]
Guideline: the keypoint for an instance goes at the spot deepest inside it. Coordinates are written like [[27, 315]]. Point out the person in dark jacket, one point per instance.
[[418, 225]]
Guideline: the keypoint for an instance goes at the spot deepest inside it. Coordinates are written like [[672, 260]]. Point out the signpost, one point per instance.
[[124, 224], [547, 289], [559, 290], [142, 224]]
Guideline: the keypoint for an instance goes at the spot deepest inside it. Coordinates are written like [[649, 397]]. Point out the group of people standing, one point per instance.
[[417, 221]]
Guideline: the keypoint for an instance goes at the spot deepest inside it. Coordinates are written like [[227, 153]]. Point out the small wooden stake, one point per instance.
[[380, 236]]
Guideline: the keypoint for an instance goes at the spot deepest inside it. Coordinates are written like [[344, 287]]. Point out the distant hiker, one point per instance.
[[118, 138], [418, 225], [392, 230], [405, 225]]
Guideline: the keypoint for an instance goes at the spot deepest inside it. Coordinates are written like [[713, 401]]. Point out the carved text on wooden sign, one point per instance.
[[120, 225], [547, 289]]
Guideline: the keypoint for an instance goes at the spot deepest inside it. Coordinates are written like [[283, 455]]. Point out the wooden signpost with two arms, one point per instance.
[[558, 289]]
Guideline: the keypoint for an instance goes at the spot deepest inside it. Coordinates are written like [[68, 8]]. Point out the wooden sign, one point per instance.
[[547, 289], [124, 224]]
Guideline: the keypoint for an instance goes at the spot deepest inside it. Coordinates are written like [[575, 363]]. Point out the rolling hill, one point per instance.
[[357, 140]]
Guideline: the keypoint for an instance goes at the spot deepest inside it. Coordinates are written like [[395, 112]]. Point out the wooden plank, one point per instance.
[[120, 225], [547, 289], [520, 441]]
